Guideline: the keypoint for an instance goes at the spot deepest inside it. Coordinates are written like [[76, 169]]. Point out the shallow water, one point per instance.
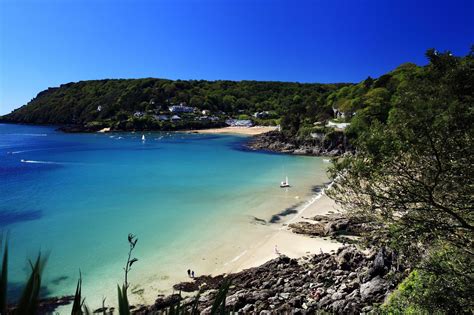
[[188, 197]]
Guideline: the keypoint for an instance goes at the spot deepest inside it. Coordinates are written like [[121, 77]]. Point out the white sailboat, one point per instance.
[[285, 183], [143, 138]]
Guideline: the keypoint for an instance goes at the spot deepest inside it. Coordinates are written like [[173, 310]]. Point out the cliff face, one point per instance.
[[330, 144]]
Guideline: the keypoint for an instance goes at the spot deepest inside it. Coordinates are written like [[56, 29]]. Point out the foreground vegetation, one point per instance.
[[29, 301]]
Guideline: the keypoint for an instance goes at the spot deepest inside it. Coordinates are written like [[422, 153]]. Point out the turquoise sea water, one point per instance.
[[77, 196]]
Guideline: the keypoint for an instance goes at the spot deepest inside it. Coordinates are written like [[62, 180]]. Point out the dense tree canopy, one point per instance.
[[77, 103], [413, 173]]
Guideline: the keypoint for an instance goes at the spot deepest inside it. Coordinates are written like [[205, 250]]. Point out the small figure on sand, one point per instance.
[[192, 274], [189, 272], [277, 251]]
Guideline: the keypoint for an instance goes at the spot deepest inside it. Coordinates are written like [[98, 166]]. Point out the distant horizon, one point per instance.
[[48, 43]]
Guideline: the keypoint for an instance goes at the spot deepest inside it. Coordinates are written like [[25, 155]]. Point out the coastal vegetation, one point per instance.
[[413, 174], [144, 104]]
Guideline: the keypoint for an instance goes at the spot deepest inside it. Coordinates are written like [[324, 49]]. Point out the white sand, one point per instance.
[[287, 243]]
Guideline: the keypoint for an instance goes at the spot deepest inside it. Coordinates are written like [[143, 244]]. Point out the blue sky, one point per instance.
[[46, 43]]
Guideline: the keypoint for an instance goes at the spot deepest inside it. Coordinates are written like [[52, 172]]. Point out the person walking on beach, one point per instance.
[[189, 272], [192, 274], [277, 251]]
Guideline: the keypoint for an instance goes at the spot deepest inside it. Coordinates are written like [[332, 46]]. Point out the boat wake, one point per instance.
[[29, 134], [39, 162], [31, 150], [50, 162]]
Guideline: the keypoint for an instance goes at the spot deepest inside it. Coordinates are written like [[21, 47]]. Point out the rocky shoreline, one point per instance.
[[330, 144], [348, 281]]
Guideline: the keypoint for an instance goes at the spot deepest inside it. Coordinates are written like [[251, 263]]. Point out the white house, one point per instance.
[[181, 109], [175, 118], [332, 124], [239, 122]]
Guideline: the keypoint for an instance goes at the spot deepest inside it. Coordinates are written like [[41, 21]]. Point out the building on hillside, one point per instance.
[[138, 114], [260, 115], [206, 112], [239, 122], [332, 124], [175, 118], [181, 109], [99, 108]]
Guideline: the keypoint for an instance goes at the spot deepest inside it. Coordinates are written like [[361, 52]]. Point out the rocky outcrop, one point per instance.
[[343, 282], [331, 144], [337, 226], [47, 305]]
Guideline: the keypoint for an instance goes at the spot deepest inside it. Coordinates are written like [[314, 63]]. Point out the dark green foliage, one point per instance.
[[413, 174], [124, 307], [78, 301], [218, 307], [442, 284], [77, 103], [28, 302]]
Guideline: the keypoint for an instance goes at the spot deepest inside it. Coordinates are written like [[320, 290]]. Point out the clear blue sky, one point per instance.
[[46, 43]]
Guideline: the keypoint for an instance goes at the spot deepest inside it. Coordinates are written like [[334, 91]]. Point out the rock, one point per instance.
[[345, 257], [381, 264], [279, 142], [279, 281], [285, 295], [247, 308], [322, 282], [164, 302], [316, 229], [337, 296], [338, 306], [374, 287]]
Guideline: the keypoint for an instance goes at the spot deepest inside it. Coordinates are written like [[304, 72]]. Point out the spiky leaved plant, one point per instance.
[[124, 307], [28, 302]]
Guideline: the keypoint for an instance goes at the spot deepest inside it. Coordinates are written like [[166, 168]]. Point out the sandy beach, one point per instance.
[[249, 131], [280, 239], [262, 242]]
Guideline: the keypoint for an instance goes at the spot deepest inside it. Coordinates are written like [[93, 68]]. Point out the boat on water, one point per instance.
[[143, 138], [285, 183]]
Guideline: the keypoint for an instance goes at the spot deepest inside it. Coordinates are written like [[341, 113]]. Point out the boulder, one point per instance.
[[375, 287]]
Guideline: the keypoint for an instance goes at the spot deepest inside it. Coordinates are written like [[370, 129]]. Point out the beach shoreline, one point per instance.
[[247, 131], [268, 242]]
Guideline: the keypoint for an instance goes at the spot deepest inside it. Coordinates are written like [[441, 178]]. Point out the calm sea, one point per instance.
[[77, 196]]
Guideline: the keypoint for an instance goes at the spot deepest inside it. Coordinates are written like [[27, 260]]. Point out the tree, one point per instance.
[[414, 175]]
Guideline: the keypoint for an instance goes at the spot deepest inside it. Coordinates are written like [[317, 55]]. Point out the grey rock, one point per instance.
[[372, 288]]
